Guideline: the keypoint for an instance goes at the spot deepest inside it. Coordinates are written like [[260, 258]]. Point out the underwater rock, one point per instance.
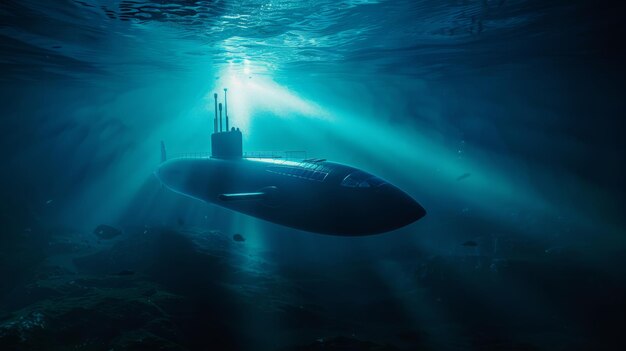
[[239, 238], [470, 243], [104, 231], [19, 329], [105, 318], [168, 261]]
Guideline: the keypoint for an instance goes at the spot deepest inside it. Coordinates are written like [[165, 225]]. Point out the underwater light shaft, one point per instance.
[[501, 119], [259, 96]]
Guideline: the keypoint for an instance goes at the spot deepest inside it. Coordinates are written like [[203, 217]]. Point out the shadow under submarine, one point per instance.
[[311, 194]]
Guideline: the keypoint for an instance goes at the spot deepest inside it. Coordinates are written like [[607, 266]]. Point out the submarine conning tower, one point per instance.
[[225, 143]]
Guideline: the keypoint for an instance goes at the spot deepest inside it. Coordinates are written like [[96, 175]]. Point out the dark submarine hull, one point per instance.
[[314, 196]]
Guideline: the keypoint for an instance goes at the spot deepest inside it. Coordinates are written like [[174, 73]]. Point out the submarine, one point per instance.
[[312, 195]]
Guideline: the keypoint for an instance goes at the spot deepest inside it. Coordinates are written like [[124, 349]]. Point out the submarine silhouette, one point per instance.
[[310, 194]]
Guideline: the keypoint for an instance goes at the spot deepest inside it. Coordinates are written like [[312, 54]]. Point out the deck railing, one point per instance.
[[287, 155], [202, 154]]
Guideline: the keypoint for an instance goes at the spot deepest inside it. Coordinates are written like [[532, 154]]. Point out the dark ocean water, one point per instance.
[[504, 119]]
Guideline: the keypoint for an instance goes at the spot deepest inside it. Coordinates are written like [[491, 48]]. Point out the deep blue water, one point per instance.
[[504, 119]]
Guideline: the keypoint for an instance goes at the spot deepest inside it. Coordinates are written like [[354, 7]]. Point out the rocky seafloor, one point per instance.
[[193, 289], [151, 289]]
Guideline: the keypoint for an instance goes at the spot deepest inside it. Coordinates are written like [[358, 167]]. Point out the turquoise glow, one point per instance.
[[503, 119]]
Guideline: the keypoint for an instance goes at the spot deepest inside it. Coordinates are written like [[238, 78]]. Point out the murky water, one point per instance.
[[502, 118]]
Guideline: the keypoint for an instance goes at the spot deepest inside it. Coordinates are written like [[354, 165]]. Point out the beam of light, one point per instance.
[[177, 118], [252, 96], [422, 166]]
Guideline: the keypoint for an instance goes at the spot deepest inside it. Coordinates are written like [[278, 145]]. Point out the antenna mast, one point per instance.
[[225, 145], [215, 119], [220, 108], [226, 108]]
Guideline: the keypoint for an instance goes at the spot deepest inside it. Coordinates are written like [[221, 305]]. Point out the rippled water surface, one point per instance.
[[503, 118], [417, 38]]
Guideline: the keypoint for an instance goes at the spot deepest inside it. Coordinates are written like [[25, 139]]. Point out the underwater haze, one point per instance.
[[504, 119]]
